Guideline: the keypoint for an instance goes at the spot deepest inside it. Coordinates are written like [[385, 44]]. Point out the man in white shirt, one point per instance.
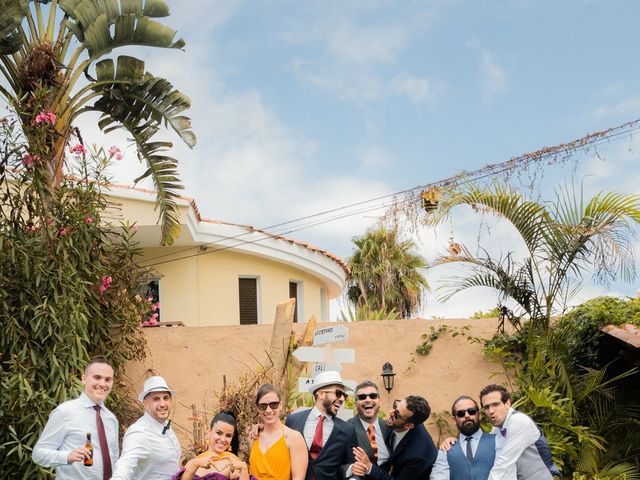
[[150, 449], [522, 452], [62, 442], [472, 455]]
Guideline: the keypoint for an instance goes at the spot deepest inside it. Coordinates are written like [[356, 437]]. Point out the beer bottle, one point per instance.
[[88, 461]]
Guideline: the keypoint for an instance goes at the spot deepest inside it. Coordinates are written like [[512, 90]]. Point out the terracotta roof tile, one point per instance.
[[628, 333]]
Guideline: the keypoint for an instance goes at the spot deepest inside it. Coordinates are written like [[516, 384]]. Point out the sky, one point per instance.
[[304, 107]]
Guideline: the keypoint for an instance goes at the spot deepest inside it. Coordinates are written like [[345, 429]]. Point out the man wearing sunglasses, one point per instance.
[[371, 431], [412, 452], [330, 440], [472, 456]]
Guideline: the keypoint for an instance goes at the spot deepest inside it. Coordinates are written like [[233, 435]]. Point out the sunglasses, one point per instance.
[[363, 396], [397, 415], [272, 405], [337, 392], [471, 411]]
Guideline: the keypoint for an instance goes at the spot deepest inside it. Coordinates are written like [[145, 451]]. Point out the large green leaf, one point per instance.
[[91, 22], [12, 12], [140, 105]]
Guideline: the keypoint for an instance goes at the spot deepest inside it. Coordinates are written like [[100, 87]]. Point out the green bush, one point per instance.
[[68, 287], [581, 326]]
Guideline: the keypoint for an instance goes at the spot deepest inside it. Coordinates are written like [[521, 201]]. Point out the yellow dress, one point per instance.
[[274, 464]]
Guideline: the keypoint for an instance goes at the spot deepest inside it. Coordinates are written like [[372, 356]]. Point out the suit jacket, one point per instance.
[[337, 451], [412, 458], [363, 437]]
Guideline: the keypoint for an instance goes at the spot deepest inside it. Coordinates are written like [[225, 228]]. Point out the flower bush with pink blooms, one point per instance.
[[68, 284]]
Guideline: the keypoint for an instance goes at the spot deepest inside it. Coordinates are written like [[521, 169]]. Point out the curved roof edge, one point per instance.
[[249, 239]]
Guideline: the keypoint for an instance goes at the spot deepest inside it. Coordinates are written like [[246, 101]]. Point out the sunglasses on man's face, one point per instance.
[[272, 405], [471, 411], [363, 396], [337, 392]]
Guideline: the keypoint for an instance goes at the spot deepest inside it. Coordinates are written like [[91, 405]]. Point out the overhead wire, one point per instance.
[[457, 180]]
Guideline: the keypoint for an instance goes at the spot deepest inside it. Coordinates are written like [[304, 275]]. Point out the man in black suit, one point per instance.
[[412, 450], [329, 439], [371, 431]]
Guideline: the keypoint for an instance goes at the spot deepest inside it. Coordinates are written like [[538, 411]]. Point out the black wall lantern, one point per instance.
[[387, 376]]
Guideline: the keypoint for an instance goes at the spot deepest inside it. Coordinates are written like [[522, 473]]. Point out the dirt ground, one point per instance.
[[194, 360]]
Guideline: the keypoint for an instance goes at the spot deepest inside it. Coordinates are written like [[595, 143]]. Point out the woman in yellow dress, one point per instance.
[[219, 462], [278, 453]]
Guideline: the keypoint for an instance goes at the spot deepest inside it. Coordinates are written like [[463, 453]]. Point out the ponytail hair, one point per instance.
[[227, 416]]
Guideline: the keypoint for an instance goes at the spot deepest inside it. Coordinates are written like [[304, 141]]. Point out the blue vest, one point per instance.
[[461, 469]]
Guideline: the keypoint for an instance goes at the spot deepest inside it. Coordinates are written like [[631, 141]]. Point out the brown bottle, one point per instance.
[[88, 462]]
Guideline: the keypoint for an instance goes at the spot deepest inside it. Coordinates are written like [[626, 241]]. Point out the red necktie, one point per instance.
[[104, 446], [316, 444], [372, 440]]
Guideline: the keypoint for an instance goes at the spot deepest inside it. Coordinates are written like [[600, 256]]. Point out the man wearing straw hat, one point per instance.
[[150, 449], [329, 439]]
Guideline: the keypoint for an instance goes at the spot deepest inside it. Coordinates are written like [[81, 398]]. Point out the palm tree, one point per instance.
[[385, 274], [563, 238], [57, 65]]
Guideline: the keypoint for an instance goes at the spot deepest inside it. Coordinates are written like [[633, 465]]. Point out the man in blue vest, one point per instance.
[[471, 457]]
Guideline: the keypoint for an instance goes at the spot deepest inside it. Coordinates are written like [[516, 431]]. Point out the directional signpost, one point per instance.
[[327, 357]]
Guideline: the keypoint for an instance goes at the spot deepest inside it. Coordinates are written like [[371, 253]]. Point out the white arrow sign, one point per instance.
[[315, 354], [324, 367], [338, 333]]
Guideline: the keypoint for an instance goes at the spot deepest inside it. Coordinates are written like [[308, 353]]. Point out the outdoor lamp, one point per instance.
[[387, 376]]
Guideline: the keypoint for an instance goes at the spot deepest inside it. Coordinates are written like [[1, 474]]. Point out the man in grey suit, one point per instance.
[[371, 431], [470, 458]]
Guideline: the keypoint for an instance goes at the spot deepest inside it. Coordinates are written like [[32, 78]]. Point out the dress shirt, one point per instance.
[[515, 435], [441, 467], [147, 454], [67, 430], [311, 424], [396, 437], [383, 450]]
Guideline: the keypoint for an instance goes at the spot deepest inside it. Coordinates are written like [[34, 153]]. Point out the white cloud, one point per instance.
[[417, 89], [375, 157], [493, 77], [627, 107]]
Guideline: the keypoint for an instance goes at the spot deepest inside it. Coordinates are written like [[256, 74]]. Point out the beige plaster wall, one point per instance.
[[203, 290], [193, 360]]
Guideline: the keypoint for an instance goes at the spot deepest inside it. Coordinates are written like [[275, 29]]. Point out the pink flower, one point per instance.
[[154, 316], [62, 232], [45, 117], [115, 152], [146, 323], [88, 220], [29, 159], [31, 228], [153, 322], [78, 149], [49, 221], [102, 288], [135, 228]]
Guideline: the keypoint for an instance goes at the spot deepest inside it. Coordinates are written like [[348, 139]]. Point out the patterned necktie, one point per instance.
[[316, 444], [469, 451], [371, 430], [104, 446]]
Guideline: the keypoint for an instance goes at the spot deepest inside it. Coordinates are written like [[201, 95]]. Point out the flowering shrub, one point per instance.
[[67, 292]]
